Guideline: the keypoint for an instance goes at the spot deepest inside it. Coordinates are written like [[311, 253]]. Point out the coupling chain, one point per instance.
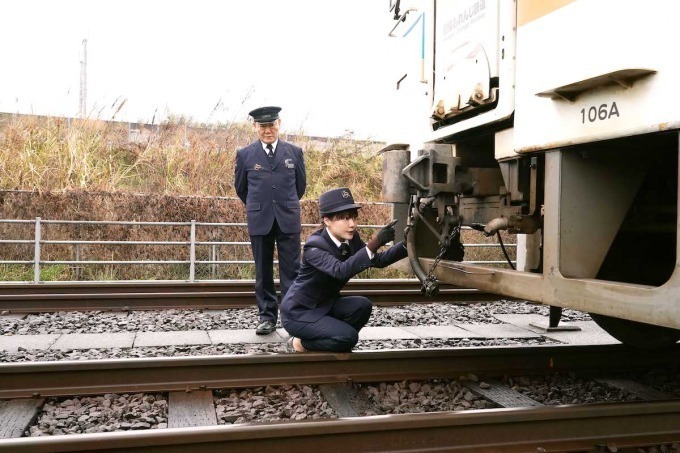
[[431, 284]]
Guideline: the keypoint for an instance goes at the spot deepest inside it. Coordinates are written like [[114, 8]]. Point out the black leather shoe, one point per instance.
[[265, 328]]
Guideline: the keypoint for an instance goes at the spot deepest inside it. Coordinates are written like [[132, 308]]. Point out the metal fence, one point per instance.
[[191, 244]]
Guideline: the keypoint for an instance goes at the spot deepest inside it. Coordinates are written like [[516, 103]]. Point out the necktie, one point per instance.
[[344, 251], [270, 150]]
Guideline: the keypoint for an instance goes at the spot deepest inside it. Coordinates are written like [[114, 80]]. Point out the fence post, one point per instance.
[[77, 266], [36, 252], [213, 255], [192, 253]]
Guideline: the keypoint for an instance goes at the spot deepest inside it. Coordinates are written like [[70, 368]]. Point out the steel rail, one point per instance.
[[39, 379], [561, 428], [29, 298]]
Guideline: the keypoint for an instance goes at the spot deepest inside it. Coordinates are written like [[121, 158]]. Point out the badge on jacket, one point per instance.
[[289, 163], [257, 167]]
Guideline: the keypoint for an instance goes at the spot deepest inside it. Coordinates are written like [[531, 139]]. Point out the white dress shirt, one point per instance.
[[337, 243], [264, 146]]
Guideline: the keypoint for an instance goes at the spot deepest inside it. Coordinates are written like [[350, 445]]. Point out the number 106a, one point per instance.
[[603, 112]]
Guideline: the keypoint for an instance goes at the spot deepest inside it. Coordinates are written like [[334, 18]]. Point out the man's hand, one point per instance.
[[382, 237]]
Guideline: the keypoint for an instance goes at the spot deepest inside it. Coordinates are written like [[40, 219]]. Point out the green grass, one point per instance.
[[24, 273]]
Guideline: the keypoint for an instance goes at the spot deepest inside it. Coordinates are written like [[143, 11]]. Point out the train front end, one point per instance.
[[556, 121]]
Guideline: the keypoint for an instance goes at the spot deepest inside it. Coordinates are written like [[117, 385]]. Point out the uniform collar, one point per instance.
[[264, 145], [335, 240]]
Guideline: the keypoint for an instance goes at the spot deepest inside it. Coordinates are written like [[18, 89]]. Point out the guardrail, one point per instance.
[[191, 243]]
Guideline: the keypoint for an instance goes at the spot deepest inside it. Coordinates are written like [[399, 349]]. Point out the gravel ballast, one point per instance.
[[435, 314], [422, 396], [41, 355], [99, 414], [291, 402]]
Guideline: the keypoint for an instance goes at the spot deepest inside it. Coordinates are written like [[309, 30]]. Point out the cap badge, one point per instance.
[[345, 194]]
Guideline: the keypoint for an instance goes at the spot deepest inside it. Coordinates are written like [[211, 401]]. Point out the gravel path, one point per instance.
[[40, 355], [436, 314], [184, 320]]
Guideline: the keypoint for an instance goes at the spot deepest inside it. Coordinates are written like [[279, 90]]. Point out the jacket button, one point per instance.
[[273, 186], [274, 201]]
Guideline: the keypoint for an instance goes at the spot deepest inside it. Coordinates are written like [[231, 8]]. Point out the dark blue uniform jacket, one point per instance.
[[322, 274], [271, 190]]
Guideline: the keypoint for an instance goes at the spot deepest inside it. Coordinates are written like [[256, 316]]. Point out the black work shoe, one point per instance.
[[265, 328]]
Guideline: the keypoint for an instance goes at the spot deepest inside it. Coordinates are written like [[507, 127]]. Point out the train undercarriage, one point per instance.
[[599, 222]]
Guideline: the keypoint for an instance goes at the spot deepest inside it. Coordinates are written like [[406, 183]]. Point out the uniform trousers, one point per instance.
[[338, 331], [288, 246]]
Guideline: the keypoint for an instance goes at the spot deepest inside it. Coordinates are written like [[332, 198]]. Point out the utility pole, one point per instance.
[[83, 81]]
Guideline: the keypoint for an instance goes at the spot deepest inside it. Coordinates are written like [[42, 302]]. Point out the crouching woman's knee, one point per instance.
[[345, 342]]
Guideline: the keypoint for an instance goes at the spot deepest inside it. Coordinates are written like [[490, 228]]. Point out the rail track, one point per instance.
[[47, 297], [564, 429], [513, 427], [517, 424], [38, 379]]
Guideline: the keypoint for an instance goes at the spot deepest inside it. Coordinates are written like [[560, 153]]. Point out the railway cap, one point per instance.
[[265, 114], [336, 200]]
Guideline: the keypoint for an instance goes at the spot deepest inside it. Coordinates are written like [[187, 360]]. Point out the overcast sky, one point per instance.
[[325, 62]]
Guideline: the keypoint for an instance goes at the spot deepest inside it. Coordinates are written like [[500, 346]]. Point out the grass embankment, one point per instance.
[[58, 154], [171, 160], [175, 159]]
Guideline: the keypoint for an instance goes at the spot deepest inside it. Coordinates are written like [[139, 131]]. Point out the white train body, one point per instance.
[[557, 120]]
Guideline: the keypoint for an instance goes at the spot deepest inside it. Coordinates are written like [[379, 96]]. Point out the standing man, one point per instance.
[[270, 179]]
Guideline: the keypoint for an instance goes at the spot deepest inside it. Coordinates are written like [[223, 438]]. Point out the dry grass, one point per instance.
[[58, 154], [344, 163], [89, 169]]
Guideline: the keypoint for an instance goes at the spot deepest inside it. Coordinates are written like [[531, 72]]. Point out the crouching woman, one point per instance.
[[313, 312]]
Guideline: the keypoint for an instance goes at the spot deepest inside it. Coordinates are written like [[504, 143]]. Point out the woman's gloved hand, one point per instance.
[[382, 237]]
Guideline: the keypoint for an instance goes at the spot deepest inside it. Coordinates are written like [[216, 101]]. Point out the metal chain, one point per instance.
[[431, 284]]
